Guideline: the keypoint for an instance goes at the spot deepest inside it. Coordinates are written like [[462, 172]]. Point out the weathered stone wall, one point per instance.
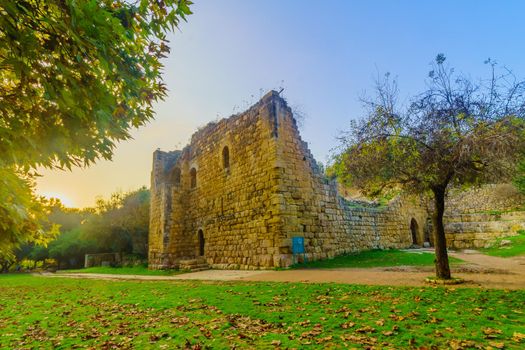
[[481, 229], [308, 205], [243, 212], [234, 207], [477, 217], [492, 197], [390, 226], [474, 218], [311, 207]]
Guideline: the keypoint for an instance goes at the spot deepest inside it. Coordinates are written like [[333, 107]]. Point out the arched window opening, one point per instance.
[[226, 158], [175, 177], [193, 178], [200, 235], [414, 230]]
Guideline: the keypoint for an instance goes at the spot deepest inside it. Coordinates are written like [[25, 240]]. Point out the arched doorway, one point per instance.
[[200, 235], [414, 230]]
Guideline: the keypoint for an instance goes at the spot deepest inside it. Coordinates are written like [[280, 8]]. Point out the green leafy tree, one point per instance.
[[121, 223], [70, 248], [59, 220], [456, 133], [21, 213], [38, 253], [75, 78]]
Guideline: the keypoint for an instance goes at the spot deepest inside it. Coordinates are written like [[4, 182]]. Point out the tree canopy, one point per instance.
[[118, 224], [75, 78], [121, 223], [456, 132], [21, 213]]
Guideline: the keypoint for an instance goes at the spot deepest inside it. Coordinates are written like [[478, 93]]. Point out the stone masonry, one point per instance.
[[244, 186], [476, 218]]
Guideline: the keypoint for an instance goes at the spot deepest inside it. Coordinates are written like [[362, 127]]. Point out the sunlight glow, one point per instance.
[[65, 200]]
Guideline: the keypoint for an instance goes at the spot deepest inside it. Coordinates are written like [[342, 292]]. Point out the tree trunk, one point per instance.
[[440, 241]]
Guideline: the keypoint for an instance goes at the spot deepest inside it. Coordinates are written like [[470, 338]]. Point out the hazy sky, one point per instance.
[[325, 54]]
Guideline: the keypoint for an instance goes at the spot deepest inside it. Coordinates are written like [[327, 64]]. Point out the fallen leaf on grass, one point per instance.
[[304, 323], [359, 339], [180, 320], [365, 329], [457, 344], [397, 318], [347, 325], [491, 333], [312, 333], [205, 332], [323, 299], [324, 340], [518, 337], [435, 320]]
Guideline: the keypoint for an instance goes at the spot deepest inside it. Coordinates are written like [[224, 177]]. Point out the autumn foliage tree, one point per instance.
[[75, 78], [457, 132]]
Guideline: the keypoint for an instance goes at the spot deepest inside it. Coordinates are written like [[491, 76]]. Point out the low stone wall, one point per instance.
[[477, 217], [482, 229], [103, 259], [473, 219]]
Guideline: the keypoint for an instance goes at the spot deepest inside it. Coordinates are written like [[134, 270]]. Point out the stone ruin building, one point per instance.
[[244, 186]]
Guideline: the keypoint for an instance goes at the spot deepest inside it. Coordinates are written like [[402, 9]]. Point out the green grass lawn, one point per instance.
[[135, 270], [44, 313], [516, 247], [376, 258]]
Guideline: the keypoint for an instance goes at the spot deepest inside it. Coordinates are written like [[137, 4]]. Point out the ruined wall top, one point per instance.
[[271, 98]]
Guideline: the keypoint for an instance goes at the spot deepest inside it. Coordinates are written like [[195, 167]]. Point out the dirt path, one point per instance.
[[514, 264], [480, 271]]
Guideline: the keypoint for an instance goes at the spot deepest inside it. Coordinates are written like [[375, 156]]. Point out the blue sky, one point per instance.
[[325, 54]]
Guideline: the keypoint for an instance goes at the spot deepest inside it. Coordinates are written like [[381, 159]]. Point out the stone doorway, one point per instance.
[[200, 236], [414, 228]]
